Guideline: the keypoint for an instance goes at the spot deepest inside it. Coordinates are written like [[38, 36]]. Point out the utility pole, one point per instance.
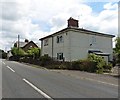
[[18, 57], [18, 42]]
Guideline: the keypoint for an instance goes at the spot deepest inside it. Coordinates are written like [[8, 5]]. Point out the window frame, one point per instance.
[[46, 42], [59, 39], [60, 56]]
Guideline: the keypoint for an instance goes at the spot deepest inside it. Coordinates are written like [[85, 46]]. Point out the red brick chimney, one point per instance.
[[72, 22]]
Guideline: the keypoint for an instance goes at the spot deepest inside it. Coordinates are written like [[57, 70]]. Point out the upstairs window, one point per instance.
[[93, 40], [45, 42], [59, 39]]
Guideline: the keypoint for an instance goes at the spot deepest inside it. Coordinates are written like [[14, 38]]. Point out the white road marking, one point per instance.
[[37, 89], [10, 68]]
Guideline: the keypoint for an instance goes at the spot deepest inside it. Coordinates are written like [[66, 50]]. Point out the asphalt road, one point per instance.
[[23, 81]]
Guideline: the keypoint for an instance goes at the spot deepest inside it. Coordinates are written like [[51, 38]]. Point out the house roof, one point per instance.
[[23, 44], [29, 43], [80, 30]]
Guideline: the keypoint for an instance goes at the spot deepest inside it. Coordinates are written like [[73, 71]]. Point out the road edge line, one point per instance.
[[37, 89]]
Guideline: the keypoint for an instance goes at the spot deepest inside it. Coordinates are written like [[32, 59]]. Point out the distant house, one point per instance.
[[26, 45], [74, 43]]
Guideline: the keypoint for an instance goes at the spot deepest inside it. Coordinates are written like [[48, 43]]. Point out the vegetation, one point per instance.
[[45, 60], [34, 52], [17, 52], [93, 63], [3, 54], [100, 62], [83, 65], [117, 49]]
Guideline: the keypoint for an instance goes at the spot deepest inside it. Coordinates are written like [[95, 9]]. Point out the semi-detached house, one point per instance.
[[74, 43]]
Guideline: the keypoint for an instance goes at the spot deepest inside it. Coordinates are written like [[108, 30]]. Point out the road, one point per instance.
[[23, 81]]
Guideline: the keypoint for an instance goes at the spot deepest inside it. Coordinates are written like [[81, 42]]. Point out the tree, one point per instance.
[[34, 52], [17, 52], [3, 54], [117, 48]]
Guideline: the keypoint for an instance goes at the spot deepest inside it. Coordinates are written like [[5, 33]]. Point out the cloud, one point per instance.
[[39, 18], [110, 6]]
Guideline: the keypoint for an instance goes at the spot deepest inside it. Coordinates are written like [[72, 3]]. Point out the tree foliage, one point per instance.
[[35, 52], [17, 52], [3, 54], [117, 49], [99, 60]]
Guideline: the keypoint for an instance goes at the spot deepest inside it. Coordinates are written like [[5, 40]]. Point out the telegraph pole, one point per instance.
[[18, 42], [18, 47]]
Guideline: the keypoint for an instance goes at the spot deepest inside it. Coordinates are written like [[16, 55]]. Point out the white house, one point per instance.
[[74, 43]]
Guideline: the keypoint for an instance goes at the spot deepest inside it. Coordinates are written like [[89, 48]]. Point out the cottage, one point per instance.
[[74, 43], [26, 45]]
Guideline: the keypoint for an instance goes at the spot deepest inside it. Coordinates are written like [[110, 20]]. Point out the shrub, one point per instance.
[[87, 65], [61, 66], [83, 65], [45, 60], [99, 60], [107, 67], [75, 65]]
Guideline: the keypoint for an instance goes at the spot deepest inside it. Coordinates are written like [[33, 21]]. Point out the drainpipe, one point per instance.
[[52, 47], [41, 47]]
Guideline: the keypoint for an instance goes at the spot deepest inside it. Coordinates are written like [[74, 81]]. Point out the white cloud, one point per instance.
[[110, 6], [28, 18]]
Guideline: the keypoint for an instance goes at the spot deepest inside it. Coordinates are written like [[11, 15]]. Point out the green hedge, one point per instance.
[[94, 63], [83, 65]]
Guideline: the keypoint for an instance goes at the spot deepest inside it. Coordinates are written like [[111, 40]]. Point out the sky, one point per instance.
[[34, 19]]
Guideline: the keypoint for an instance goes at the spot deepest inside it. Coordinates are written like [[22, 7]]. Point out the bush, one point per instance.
[[83, 65], [108, 67], [89, 66], [75, 65], [61, 66], [99, 60], [45, 60]]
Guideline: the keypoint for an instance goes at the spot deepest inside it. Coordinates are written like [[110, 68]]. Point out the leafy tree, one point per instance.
[[117, 48], [17, 52], [35, 52], [3, 54]]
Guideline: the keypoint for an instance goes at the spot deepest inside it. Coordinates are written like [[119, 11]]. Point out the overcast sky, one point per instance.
[[34, 19]]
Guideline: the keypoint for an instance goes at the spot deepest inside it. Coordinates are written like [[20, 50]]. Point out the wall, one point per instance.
[[81, 43], [48, 48], [62, 47]]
